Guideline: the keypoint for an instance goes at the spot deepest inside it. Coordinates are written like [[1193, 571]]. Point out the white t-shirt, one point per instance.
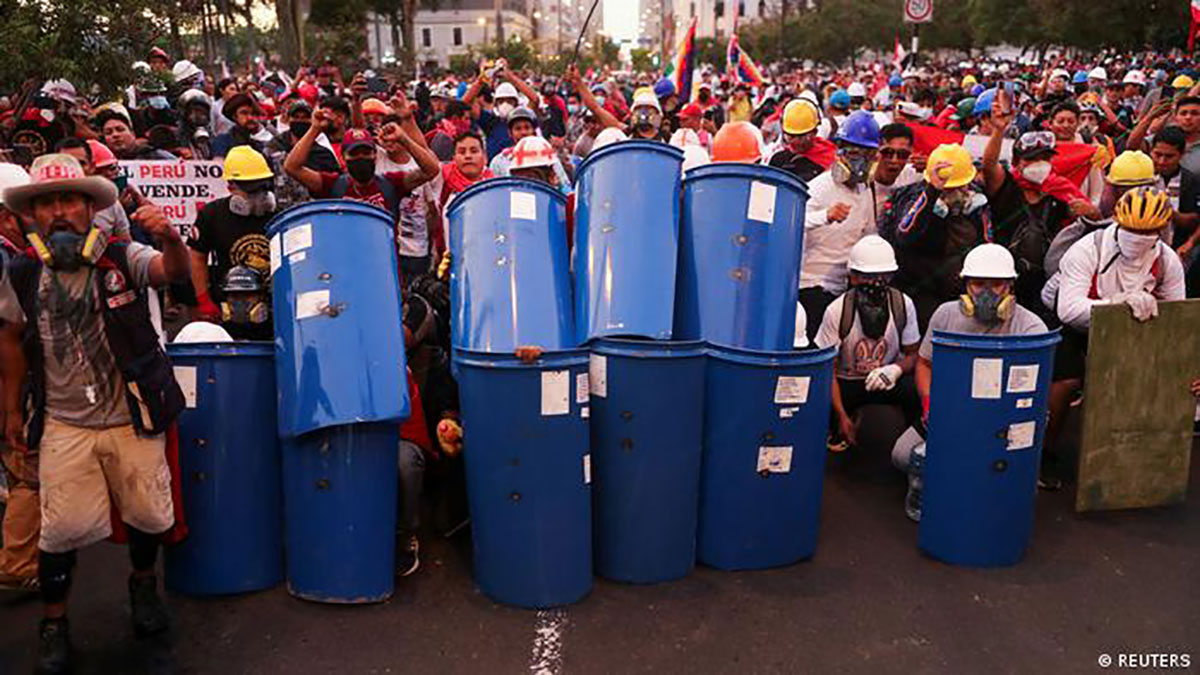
[[412, 237], [858, 354], [949, 317], [827, 245]]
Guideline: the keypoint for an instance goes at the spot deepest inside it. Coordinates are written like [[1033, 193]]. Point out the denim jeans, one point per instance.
[[412, 477]]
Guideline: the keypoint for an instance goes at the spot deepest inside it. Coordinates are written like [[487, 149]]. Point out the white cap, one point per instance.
[[1098, 73], [989, 261], [11, 175], [856, 90], [505, 90], [873, 255], [184, 69], [202, 331], [608, 136], [1135, 77]]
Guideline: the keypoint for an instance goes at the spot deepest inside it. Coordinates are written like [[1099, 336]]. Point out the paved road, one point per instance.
[[867, 603]]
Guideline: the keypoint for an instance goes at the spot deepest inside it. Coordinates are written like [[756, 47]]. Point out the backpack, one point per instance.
[[1031, 240], [850, 305], [390, 198]]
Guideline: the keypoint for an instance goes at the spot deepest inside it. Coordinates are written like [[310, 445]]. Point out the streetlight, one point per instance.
[[482, 21]]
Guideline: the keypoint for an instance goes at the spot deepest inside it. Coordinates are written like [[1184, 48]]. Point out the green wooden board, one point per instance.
[[1137, 407]]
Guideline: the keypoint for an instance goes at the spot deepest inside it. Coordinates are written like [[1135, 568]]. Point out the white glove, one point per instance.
[[884, 377], [1143, 305]]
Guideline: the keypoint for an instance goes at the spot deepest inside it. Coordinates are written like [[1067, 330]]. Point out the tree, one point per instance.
[[641, 61], [291, 16]]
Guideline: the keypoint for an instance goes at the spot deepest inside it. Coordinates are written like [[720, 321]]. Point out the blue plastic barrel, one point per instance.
[[528, 475], [229, 461], [647, 419], [627, 240], [987, 417], [339, 343], [340, 487], [510, 282], [764, 456], [741, 234]]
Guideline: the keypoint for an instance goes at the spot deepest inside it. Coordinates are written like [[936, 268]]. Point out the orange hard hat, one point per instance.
[[737, 142], [101, 155]]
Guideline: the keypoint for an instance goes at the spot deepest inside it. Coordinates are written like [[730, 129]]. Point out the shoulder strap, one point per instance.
[[899, 310], [849, 303], [390, 197], [340, 186]]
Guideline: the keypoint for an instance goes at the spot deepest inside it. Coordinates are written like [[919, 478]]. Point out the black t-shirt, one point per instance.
[[801, 167], [1009, 210], [233, 240]]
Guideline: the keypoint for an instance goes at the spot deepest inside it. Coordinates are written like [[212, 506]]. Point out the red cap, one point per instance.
[[691, 110], [355, 138]]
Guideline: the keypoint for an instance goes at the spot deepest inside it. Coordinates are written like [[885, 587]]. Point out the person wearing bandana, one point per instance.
[[874, 327], [840, 211]]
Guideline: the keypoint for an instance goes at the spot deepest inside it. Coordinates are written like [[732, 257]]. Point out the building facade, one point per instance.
[[453, 28]]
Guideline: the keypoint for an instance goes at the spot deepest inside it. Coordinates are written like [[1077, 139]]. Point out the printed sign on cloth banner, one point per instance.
[[181, 187]]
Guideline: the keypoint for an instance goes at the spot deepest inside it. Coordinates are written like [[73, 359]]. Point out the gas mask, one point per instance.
[[646, 118], [852, 170], [253, 204], [871, 303], [361, 169], [244, 309], [67, 250], [987, 306], [1037, 172], [955, 202]]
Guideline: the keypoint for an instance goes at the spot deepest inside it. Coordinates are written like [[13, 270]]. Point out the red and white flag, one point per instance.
[[899, 54]]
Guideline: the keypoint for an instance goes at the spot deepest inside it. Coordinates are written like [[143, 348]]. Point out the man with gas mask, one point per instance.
[[986, 307], [195, 109], [875, 329], [646, 116], [801, 151], [232, 233], [933, 224], [99, 390], [841, 210]]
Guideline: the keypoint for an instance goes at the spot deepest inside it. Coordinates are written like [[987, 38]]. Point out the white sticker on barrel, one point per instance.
[[522, 205], [598, 375], [587, 469], [297, 257], [1022, 379], [276, 253], [762, 202], [581, 388], [556, 392], [1024, 403], [986, 377], [788, 413], [312, 303], [775, 459], [297, 239], [791, 390], [1020, 435], [584, 412], [186, 377]]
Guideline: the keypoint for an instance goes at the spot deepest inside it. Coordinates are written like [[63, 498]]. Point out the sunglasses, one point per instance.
[[895, 153]]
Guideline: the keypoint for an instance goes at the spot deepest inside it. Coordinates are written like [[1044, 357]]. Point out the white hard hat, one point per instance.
[[11, 175], [913, 110], [685, 137], [646, 99], [856, 90], [873, 255], [810, 96], [1098, 73], [531, 152], [202, 331], [60, 90], [989, 261], [184, 69], [1135, 77], [505, 90], [694, 156], [1059, 72], [608, 136]]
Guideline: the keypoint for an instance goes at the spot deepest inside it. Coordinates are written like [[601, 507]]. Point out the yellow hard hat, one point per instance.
[[1132, 167], [961, 170], [245, 163], [1144, 209], [969, 81], [800, 117], [1182, 82]]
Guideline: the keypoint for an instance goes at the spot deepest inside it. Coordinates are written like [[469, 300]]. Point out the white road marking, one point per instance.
[[546, 658]]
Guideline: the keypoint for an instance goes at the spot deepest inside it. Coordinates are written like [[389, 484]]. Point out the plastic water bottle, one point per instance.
[[916, 466]]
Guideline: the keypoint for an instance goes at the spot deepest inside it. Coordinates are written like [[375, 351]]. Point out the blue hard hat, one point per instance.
[[1080, 77], [840, 99], [861, 129], [983, 103], [664, 88], [895, 81], [977, 90]]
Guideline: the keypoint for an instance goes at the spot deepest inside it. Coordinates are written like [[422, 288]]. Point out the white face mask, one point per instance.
[[504, 109], [1036, 172], [1135, 245]]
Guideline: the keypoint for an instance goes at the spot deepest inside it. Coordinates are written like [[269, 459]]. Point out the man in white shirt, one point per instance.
[[841, 210], [875, 328]]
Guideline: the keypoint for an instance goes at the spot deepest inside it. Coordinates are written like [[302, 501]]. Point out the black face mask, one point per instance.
[[871, 302], [300, 128], [361, 169]]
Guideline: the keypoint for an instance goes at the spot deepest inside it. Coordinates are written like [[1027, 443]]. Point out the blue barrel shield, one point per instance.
[[987, 416], [510, 283], [741, 235], [229, 461], [626, 240], [647, 417], [338, 338], [764, 456], [340, 487], [528, 475]]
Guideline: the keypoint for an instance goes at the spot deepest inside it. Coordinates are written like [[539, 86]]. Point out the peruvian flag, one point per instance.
[[1195, 24], [898, 55]]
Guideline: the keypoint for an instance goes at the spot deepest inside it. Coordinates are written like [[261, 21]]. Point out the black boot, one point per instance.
[[149, 613], [54, 647]]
